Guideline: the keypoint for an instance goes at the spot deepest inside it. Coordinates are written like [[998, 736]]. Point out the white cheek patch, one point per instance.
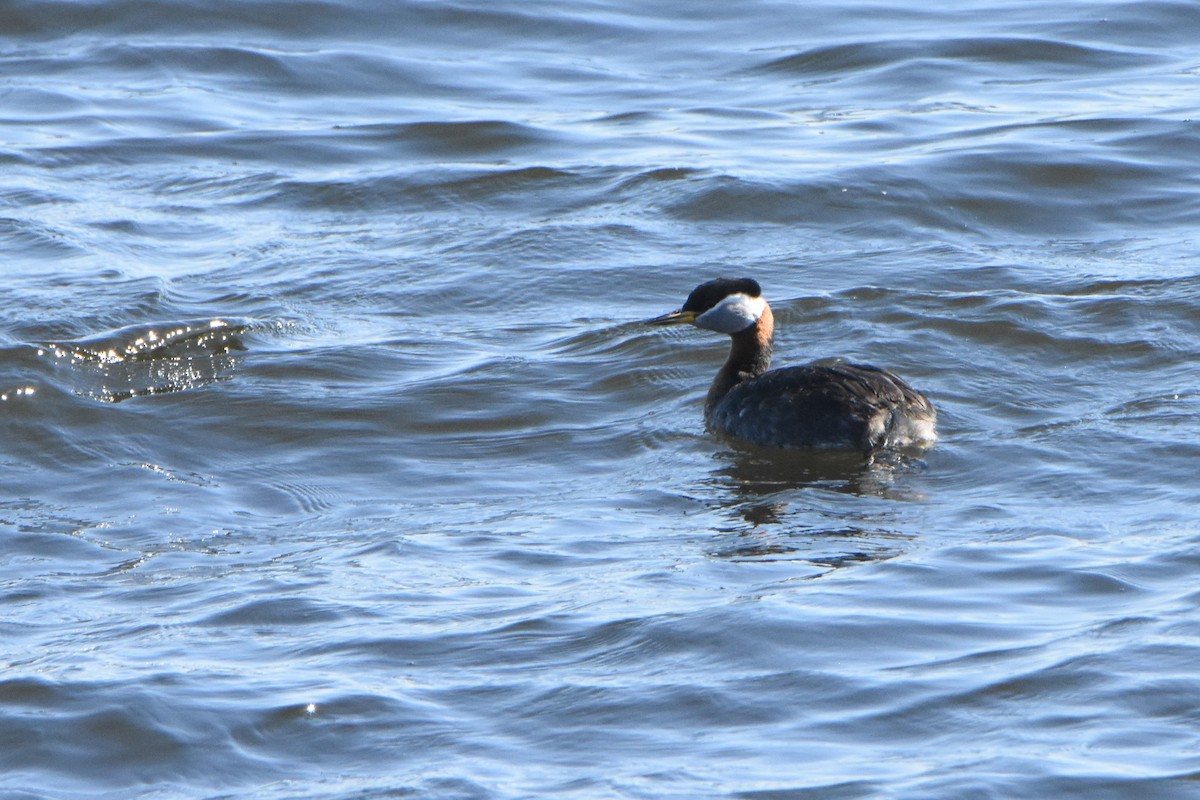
[[735, 313]]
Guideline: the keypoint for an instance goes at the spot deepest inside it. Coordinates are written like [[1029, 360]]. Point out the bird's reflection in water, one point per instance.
[[812, 506]]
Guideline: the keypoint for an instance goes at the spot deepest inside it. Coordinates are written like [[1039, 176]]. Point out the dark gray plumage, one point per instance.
[[832, 405]]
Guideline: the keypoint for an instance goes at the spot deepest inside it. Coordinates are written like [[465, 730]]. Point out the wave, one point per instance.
[[150, 359]]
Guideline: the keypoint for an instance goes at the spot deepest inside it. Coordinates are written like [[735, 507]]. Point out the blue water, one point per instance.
[[336, 463]]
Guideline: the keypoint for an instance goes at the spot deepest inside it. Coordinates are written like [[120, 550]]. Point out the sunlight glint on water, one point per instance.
[[336, 463]]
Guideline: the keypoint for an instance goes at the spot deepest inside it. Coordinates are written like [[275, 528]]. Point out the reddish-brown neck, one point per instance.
[[749, 357]]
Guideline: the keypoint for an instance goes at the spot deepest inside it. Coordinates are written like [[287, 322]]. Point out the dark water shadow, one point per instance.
[[755, 472], [820, 507]]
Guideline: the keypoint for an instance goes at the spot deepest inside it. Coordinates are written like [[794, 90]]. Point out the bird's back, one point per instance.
[[835, 405]]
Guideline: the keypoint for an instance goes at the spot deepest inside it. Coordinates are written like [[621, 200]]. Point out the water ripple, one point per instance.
[[400, 498], [150, 359]]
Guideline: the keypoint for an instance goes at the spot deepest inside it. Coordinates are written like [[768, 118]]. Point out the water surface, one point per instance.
[[336, 464]]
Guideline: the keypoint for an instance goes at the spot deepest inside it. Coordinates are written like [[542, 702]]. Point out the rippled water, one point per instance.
[[335, 463]]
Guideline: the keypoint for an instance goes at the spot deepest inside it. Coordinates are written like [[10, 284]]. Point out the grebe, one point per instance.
[[834, 405]]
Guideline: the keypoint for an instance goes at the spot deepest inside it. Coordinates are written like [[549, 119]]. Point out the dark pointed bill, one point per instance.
[[679, 317]]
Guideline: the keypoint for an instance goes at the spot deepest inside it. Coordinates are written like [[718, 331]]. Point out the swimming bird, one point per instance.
[[826, 405]]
